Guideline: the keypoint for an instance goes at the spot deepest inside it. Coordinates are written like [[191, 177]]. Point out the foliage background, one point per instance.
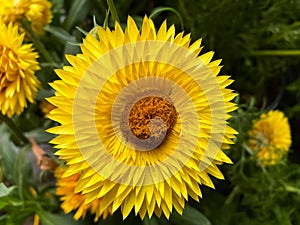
[[259, 42]]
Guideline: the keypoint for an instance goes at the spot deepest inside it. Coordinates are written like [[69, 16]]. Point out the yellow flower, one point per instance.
[[143, 118], [270, 137], [75, 201], [17, 68], [46, 107], [38, 12]]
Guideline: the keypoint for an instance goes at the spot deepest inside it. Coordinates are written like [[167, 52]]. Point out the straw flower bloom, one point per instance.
[[143, 119], [38, 12], [46, 107], [18, 65], [75, 201], [270, 137]]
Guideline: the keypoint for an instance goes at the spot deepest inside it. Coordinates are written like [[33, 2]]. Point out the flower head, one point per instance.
[[143, 118], [270, 137], [75, 201], [18, 65], [38, 12]]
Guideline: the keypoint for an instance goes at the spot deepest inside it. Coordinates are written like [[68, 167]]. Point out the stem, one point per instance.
[[275, 53], [14, 128], [37, 43], [113, 10], [249, 150], [105, 23], [231, 196]]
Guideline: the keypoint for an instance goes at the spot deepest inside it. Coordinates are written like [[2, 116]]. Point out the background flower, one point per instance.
[[46, 107], [75, 201], [270, 137], [18, 82], [38, 12]]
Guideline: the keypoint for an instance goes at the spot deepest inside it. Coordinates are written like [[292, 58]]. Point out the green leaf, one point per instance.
[[4, 201], [82, 30], [7, 153], [57, 6], [18, 216], [3, 219], [48, 218], [113, 10], [79, 10], [190, 216], [4, 191], [152, 221], [44, 93], [72, 48], [60, 33], [159, 10], [40, 135], [22, 169], [10, 201]]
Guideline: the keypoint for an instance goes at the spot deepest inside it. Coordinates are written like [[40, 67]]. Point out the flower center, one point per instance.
[[152, 118]]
